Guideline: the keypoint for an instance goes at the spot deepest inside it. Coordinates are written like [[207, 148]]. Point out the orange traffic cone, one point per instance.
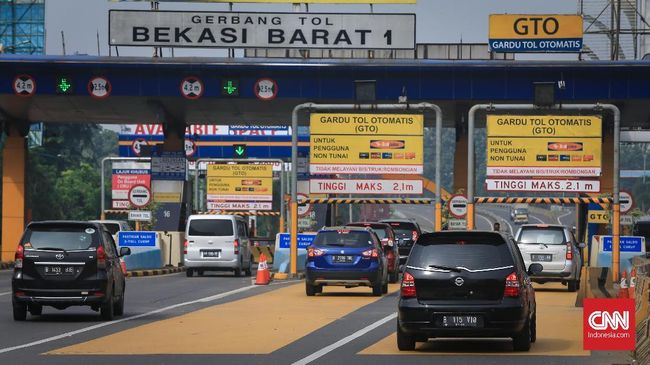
[[263, 276], [632, 288], [622, 289]]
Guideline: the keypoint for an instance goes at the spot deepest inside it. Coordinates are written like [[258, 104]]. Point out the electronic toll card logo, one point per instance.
[[609, 324]]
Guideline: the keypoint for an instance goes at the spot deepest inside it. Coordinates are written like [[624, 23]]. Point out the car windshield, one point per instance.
[[521, 211], [547, 236], [343, 238], [403, 229], [473, 252], [63, 238], [210, 227]]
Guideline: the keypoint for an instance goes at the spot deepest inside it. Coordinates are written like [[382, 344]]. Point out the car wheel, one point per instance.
[[20, 311], [249, 269], [405, 342], [377, 289], [200, 272], [310, 290], [384, 288], [533, 329], [189, 273], [35, 309], [393, 277], [319, 289], [107, 310], [118, 308], [238, 272], [521, 342], [572, 285]]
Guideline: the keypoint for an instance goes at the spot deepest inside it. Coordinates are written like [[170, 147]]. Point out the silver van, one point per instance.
[[217, 243], [556, 248]]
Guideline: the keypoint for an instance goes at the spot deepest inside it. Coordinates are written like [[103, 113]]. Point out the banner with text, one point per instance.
[[366, 143], [365, 187], [513, 33], [126, 175], [234, 187]]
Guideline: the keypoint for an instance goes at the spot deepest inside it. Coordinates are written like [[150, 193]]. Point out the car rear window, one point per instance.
[[403, 229], [548, 236], [112, 228], [474, 252], [380, 230], [210, 227], [343, 238], [57, 237]]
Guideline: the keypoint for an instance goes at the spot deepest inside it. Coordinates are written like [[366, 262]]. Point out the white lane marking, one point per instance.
[[487, 220], [106, 324], [539, 220], [562, 216], [324, 351], [5, 293]]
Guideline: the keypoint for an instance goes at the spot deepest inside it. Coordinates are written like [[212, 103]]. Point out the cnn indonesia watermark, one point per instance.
[[609, 324]]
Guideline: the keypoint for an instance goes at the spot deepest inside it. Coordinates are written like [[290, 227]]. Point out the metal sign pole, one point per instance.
[[310, 107], [616, 208]]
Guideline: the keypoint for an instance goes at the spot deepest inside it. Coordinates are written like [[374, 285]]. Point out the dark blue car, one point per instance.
[[346, 256]]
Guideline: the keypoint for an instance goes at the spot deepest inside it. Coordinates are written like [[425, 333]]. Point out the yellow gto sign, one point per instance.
[[543, 152], [535, 33], [240, 182], [543, 126], [366, 143], [598, 216]]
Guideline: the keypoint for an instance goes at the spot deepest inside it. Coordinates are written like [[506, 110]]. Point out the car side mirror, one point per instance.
[[582, 245], [125, 251], [535, 269]]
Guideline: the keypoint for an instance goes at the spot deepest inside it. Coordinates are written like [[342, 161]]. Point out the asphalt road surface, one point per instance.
[[222, 319]]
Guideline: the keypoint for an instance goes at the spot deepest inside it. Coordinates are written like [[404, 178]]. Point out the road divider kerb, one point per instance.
[[6, 265], [155, 272]]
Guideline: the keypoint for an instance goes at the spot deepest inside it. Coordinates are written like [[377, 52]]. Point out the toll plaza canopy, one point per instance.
[[150, 89]]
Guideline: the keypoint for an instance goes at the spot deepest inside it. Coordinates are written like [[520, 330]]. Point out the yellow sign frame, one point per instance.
[[509, 26], [548, 126]]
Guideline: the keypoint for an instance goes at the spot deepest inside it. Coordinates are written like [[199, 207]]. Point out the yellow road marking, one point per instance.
[[257, 325], [559, 332]]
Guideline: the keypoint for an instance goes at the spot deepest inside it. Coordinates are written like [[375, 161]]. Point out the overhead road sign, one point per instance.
[[240, 205], [533, 146], [369, 186], [192, 88], [251, 213], [266, 89], [366, 143], [261, 30], [503, 200], [514, 33], [99, 87], [540, 185], [24, 85]]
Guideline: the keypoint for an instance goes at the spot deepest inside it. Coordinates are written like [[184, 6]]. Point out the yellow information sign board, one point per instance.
[[367, 124], [534, 26], [529, 152], [544, 126], [366, 143], [242, 182], [598, 216]]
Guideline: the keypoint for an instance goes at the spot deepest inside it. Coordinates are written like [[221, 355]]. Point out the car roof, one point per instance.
[[108, 221], [378, 224], [542, 225], [344, 228], [214, 216], [65, 222]]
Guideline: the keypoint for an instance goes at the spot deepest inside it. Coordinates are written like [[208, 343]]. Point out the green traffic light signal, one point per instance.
[[230, 87], [64, 85], [239, 151]]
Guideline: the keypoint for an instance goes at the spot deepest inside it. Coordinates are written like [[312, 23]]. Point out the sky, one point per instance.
[[438, 21]]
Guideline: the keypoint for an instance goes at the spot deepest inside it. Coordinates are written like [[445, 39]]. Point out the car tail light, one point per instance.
[[371, 253], [98, 294], [101, 257], [19, 256], [314, 252], [408, 286], [236, 246], [414, 235], [569, 251], [185, 244], [512, 286], [19, 294]]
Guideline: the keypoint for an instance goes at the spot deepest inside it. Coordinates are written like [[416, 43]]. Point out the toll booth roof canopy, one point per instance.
[[148, 90]]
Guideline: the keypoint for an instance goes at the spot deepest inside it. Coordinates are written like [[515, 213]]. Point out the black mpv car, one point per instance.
[[65, 263], [466, 284]]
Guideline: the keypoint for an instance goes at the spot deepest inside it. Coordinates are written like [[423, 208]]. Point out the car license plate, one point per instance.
[[211, 254], [59, 270], [462, 321], [342, 259], [541, 257]]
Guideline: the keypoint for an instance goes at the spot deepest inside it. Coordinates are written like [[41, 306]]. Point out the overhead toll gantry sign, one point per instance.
[[366, 144], [239, 187], [515, 33], [261, 30], [520, 147]]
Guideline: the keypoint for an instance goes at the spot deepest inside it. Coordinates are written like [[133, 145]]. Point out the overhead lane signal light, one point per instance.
[[64, 85], [230, 87]]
